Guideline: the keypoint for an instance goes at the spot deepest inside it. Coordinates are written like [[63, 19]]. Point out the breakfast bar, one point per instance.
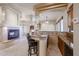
[[42, 40]]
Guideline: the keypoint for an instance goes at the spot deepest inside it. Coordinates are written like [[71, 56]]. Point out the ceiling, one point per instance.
[[22, 7], [27, 9]]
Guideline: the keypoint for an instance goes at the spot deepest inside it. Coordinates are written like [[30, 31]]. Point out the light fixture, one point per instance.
[[3, 13], [46, 21]]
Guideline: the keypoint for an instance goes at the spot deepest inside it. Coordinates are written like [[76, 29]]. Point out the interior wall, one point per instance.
[[0, 21], [25, 22], [56, 14], [11, 18], [11, 46], [65, 22], [47, 27], [76, 30], [0, 15]]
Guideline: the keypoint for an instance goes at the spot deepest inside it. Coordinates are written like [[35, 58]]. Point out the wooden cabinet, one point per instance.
[[64, 48], [64, 41], [58, 44], [61, 45], [67, 50]]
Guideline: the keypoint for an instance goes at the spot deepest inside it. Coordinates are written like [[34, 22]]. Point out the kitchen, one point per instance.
[[46, 23]]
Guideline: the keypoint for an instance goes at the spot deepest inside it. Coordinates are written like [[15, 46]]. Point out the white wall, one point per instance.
[[76, 30], [53, 15], [8, 17], [65, 22], [0, 21], [11, 18], [47, 27], [14, 47], [0, 14], [25, 22]]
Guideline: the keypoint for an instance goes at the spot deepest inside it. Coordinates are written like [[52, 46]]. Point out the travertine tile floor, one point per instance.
[[53, 51], [19, 48]]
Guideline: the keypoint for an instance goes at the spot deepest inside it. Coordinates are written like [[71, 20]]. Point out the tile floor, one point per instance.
[[19, 48]]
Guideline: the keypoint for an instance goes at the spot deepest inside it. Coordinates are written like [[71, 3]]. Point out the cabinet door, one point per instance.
[[61, 45]]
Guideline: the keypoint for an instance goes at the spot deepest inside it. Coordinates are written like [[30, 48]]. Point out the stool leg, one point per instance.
[[32, 50], [37, 51], [29, 51], [37, 47]]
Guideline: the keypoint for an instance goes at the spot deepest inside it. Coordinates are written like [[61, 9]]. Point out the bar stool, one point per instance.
[[33, 46]]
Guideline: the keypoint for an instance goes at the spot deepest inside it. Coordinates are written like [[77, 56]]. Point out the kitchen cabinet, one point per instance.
[[64, 41]]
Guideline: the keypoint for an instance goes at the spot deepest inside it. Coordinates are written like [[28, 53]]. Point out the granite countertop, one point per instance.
[[39, 36]]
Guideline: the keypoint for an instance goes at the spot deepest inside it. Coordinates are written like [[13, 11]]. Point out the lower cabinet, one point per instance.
[[67, 50], [61, 45], [64, 48]]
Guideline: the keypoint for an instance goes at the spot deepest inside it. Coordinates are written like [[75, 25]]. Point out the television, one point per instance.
[[13, 34]]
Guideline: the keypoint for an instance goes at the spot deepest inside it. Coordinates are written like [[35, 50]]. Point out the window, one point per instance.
[[59, 26]]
